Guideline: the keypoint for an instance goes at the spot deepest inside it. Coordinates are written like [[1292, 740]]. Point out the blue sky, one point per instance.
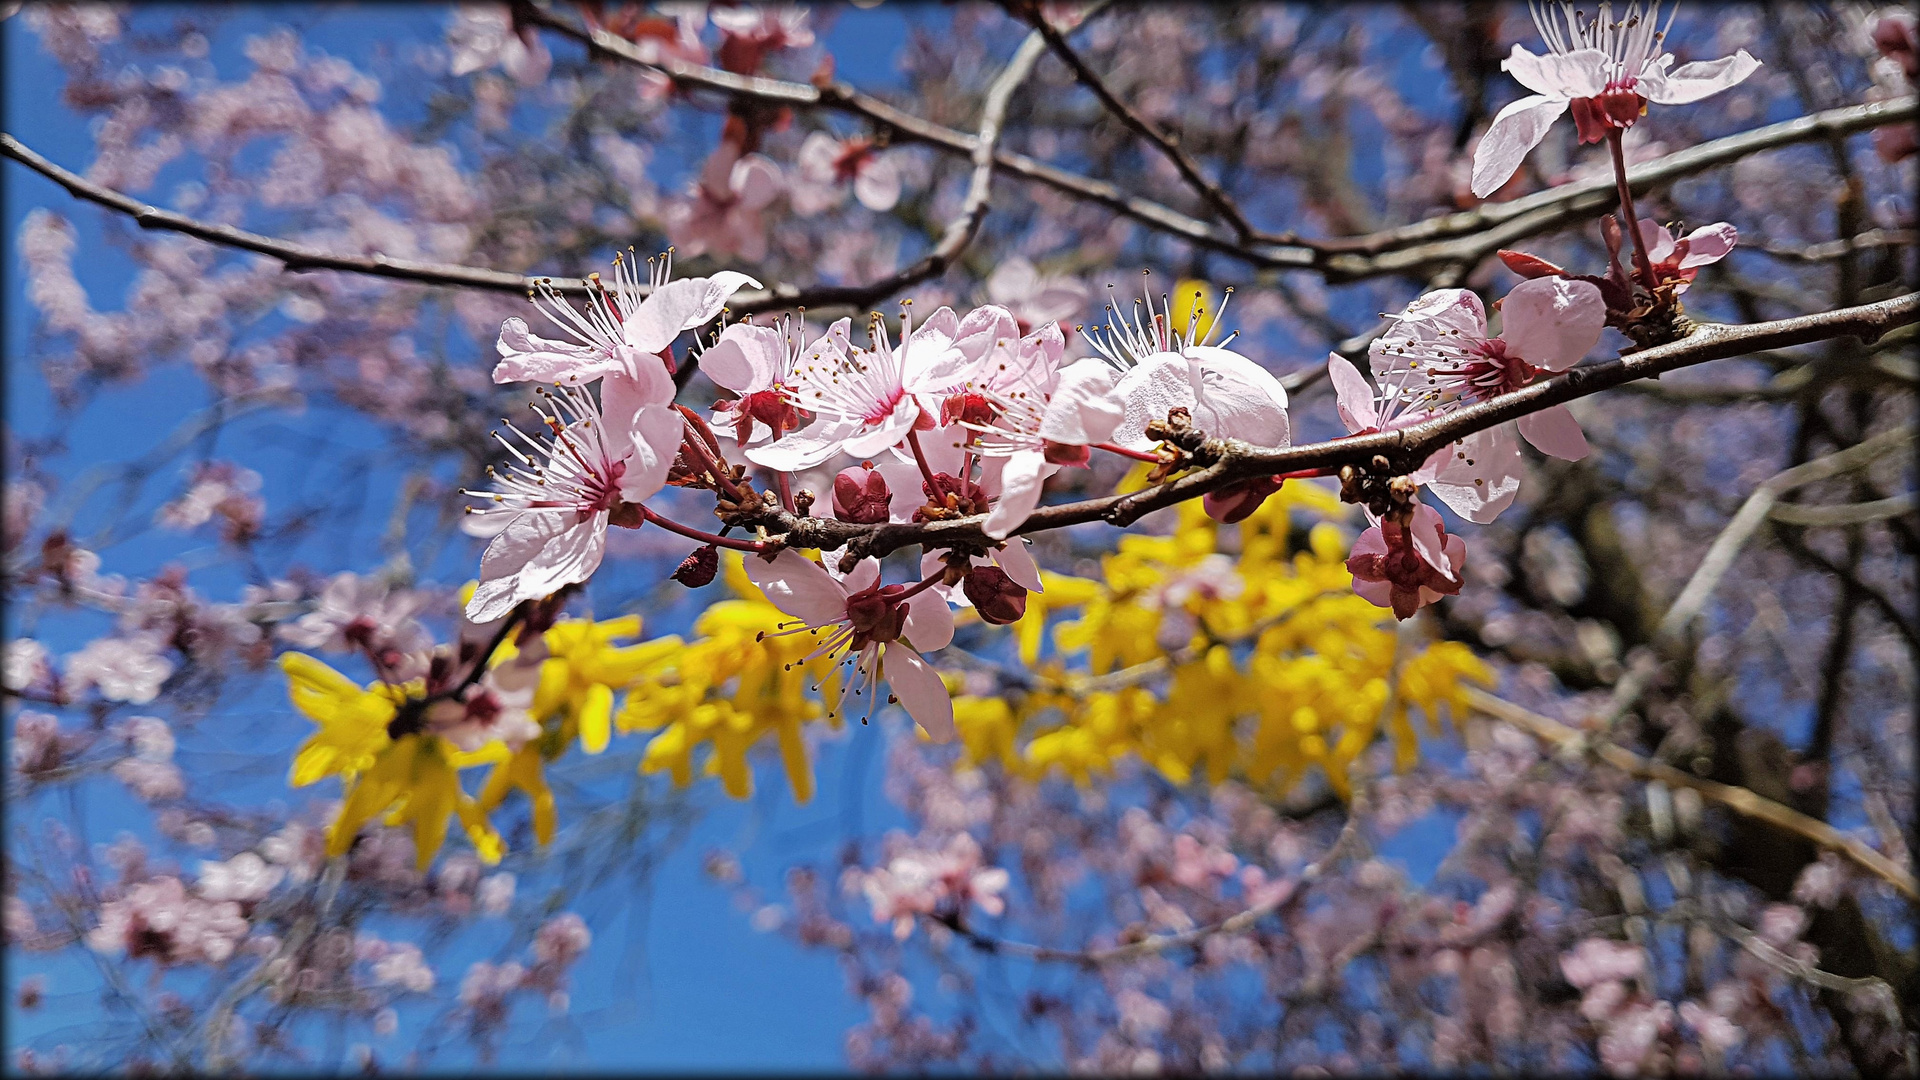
[[677, 978]]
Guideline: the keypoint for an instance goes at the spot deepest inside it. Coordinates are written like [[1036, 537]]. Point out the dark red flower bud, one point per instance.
[[965, 409], [1529, 266], [861, 495], [997, 598], [1237, 502], [698, 568]]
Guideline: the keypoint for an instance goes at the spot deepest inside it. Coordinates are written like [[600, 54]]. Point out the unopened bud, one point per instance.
[[997, 598], [1235, 503], [861, 495], [698, 568], [1529, 266]]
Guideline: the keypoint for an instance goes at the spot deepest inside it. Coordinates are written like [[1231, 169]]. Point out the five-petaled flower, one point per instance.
[[1605, 70], [555, 504], [882, 629], [624, 329], [1439, 357]]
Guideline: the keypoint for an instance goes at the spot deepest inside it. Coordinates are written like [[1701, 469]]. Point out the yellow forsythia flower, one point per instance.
[[413, 778]]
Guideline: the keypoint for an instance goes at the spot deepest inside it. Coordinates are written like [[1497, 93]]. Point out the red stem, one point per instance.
[[923, 585], [1304, 474], [1137, 455], [920, 458], [692, 533], [690, 438], [1615, 142]]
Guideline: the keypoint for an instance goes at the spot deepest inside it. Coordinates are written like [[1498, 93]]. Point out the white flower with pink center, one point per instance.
[[625, 328], [557, 499], [867, 400], [880, 630], [723, 214], [1678, 259], [1032, 439], [1605, 69], [1440, 356], [1164, 367], [757, 363], [826, 163]]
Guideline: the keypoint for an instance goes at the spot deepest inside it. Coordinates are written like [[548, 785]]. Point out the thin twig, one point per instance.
[[1168, 145], [1839, 249], [1738, 799], [1726, 547], [1290, 895], [1845, 514], [297, 257]]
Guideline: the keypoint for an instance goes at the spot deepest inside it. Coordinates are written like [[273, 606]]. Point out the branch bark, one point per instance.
[[1168, 145], [1407, 249], [1224, 461]]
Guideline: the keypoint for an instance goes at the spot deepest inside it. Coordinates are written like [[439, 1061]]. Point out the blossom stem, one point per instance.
[[692, 533], [920, 458], [1137, 455], [1304, 474], [1615, 142], [924, 584], [785, 484], [708, 459]]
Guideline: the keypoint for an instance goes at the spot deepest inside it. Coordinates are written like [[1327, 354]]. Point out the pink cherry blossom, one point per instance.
[[483, 35], [1603, 68], [1166, 367], [1035, 442], [916, 883], [159, 918], [558, 500], [825, 163], [246, 879], [494, 708], [867, 400], [757, 363], [882, 629], [129, 669], [1407, 567], [752, 32], [1439, 357], [722, 214], [1679, 259], [1035, 298], [355, 612], [625, 328]]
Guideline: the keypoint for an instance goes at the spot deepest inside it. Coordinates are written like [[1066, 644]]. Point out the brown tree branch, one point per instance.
[[1168, 145], [1411, 247], [297, 257], [1224, 461]]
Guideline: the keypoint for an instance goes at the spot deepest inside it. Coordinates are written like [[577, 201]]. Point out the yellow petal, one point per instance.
[[596, 718]]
